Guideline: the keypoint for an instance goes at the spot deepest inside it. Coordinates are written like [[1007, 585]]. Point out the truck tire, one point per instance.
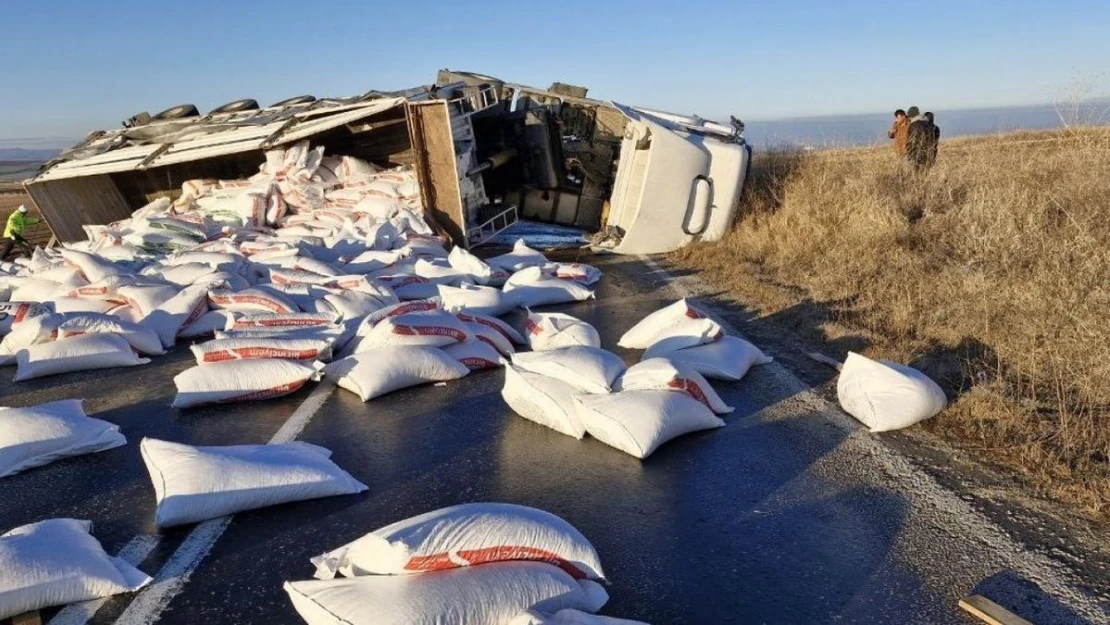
[[177, 112], [246, 104], [301, 99]]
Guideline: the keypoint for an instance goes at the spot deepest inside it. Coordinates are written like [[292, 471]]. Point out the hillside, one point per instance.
[[991, 274]]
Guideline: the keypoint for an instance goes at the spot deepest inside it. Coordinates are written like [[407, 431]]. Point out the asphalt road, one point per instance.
[[790, 514]]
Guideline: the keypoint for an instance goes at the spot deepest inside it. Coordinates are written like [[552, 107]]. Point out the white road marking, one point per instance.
[[171, 580], [133, 553]]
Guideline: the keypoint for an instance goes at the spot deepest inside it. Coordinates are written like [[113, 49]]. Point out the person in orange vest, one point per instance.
[[13, 232], [900, 132]]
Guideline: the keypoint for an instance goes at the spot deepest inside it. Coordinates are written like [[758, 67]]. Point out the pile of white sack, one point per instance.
[[573, 386], [471, 563], [312, 258]]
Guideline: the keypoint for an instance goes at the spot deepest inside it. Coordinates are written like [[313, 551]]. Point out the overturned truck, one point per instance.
[[486, 153]]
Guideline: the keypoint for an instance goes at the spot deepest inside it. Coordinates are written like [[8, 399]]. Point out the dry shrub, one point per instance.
[[991, 273]]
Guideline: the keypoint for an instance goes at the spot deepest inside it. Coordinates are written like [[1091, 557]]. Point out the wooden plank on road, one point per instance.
[[990, 612]]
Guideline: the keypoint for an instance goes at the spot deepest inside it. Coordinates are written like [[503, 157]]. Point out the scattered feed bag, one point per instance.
[[465, 535], [351, 304], [193, 484], [145, 299], [729, 358], [544, 400], [241, 380], [568, 617], [885, 395], [487, 594], [688, 333], [532, 288], [178, 312], [662, 374], [522, 257], [440, 272], [253, 300], [79, 353], [283, 321], [548, 331], [80, 304], [409, 287], [93, 267], [643, 334], [208, 324], [13, 313], [469, 264], [505, 329], [375, 372], [434, 328], [305, 351], [38, 435], [476, 300], [579, 272], [477, 355], [27, 333], [141, 338], [638, 422], [589, 369], [55, 562]]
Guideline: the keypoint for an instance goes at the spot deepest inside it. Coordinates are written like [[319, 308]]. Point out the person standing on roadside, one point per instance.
[[899, 132], [934, 145], [919, 140], [13, 232]]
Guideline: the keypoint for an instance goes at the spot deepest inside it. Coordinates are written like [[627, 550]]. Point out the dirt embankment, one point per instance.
[[991, 273]]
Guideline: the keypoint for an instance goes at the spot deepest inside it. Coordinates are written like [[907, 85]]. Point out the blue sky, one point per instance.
[[72, 66]]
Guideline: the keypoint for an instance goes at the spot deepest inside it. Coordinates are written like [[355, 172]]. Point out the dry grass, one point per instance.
[[991, 273]]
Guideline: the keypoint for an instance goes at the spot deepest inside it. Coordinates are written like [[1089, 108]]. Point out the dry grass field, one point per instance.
[[991, 273]]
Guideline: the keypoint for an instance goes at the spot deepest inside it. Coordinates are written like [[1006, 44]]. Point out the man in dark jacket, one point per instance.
[[935, 144]]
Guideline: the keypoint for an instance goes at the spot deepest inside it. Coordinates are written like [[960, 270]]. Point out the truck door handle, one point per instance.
[[701, 202]]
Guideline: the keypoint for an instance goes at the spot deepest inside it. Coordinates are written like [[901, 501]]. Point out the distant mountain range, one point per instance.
[[24, 154]]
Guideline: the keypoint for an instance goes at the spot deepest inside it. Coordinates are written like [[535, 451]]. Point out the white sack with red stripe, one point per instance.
[[643, 334], [476, 355], [27, 333], [638, 422], [478, 595], [544, 400], [589, 369], [476, 300], [80, 353], [465, 535], [208, 324], [12, 313], [534, 287], [81, 305], [492, 337], [146, 298], [222, 350], [434, 328], [176, 313], [280, 321], [579, 272], [193, 484], [240, 380], [548, 331], [493, 322], [141, 338], [251, 300], [730, 358], [373, 373], [662, 374]]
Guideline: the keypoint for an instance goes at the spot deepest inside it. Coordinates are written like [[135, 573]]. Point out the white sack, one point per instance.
[[476, 300], [81, 305], [55, 562], [579, 272], [12, 313], [434, 328], [548, 331], [662, 374], [534, 289], [38, 435], [544, 400], [279, 321], [521, 257], [568, 617], [493, 322], [375, 372], [469, 264], [27, 333], [465, 535], [141, 338], [726, 359], [251, 300], [688, 333], [92, 266], [240, 380], [641, 335], [80, 353], [589, 369], [491, 337], [305, 351], [885, 395], [147, 298], [177, 312], [479, 595], [638, 422], [208, 323], [193, 484]]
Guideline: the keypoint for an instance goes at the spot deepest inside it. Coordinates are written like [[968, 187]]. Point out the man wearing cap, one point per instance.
[[919, 140], [13, 231]]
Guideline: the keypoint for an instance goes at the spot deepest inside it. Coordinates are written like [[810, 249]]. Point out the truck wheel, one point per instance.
[[246, 104], [301, 99], [177, 112]]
